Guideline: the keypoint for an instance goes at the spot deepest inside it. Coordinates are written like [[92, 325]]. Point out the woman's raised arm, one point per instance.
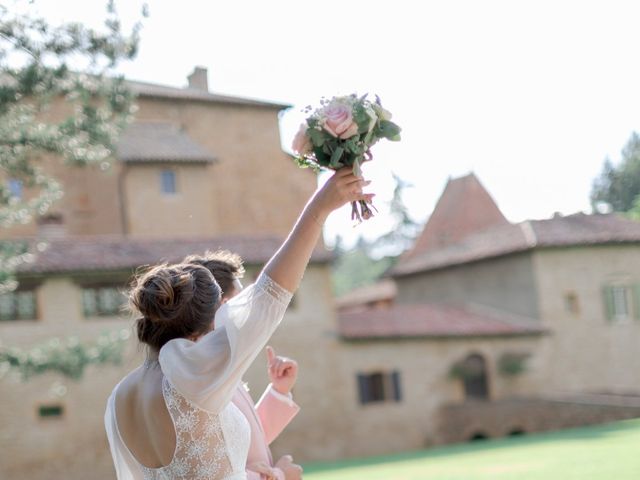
[[288, 264]]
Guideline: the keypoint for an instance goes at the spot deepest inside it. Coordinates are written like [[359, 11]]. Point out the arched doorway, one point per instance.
[[476, 385], [478, 436]]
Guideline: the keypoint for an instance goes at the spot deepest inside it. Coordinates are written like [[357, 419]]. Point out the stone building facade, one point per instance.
[[495, 328], [484, 328]]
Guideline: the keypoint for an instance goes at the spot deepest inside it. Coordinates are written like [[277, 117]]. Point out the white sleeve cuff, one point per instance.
[[288, 398]]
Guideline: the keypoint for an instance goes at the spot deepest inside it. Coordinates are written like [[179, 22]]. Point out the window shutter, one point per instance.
[[363, 389], [635, 295], [607, 293], [395, 381]]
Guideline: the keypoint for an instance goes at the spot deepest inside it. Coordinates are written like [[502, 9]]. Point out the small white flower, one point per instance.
[[206, 471], [196, 449], [186, 421], [212, 428], [179, 468]]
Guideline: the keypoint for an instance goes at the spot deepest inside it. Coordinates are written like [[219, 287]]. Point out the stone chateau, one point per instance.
[[484, 328]]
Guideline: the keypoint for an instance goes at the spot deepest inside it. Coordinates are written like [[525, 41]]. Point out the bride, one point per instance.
[[172, 417]]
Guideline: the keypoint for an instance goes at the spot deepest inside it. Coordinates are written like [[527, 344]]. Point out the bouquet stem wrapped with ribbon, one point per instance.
[[340, 133]]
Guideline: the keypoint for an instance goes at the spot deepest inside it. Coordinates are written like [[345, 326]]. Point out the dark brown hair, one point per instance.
[[224, 265], [175, 301]]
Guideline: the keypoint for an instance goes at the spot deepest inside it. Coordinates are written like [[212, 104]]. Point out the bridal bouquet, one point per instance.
[[340, 133]]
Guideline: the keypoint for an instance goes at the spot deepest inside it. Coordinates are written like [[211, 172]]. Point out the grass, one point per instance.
[[602, 452]]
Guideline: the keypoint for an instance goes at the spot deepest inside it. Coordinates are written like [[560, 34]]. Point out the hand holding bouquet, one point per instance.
[[340, 133]]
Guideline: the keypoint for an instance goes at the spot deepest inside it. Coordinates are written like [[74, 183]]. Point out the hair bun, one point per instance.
[[163, 292], [175, 301]]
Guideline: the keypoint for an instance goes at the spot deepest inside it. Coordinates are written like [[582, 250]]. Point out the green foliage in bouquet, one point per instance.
[[340, 133]]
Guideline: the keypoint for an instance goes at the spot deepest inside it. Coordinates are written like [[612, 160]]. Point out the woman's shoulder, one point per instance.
[[132, 380]]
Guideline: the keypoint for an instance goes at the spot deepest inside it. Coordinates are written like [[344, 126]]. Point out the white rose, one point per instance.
[[382, 113], [373, 117]]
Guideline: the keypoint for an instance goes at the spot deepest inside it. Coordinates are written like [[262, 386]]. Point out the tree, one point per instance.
[[369, 260], [634, 212], [356, 268], [619, 187], [40, 63], [404, 230], [68, 358]]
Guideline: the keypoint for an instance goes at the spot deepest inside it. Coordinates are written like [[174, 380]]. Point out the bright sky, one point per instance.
[[530, 95]]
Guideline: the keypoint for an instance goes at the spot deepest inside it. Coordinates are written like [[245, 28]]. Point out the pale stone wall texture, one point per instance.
[[239, 193], [587, 352], [507, 283]]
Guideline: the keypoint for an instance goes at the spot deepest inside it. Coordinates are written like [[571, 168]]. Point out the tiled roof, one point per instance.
[[465, 207], [433, 320], [111, 253], [159, 142], [379, 291], [163, 91], [559, 231]]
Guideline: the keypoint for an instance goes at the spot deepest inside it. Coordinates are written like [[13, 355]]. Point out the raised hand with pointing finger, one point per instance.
[[282, 371]]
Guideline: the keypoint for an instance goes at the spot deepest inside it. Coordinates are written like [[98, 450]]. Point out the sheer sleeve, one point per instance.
[[207, 372]]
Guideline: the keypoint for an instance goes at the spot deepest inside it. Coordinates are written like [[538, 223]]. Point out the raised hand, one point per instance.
[[282, 371], [291, 470], [265, 471], [287, 266], [343, 187]]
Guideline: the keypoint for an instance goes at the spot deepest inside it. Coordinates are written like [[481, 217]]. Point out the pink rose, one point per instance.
[[338, 121], [302, 142]]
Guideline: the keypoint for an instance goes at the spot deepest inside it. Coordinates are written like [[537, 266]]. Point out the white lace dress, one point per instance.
[[212, 435]]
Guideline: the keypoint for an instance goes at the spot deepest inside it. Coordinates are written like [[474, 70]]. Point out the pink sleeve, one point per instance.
[[275, 412], [251, 475]]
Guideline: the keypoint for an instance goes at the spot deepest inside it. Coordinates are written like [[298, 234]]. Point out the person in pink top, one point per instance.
[[276, 408]]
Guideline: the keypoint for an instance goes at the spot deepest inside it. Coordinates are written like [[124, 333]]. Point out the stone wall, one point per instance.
[[469, 420], [334, 424], [240, 193], [247, 179], [507, 283], [586, 351]]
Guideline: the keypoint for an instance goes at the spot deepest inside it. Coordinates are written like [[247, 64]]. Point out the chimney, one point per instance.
[[198, 79]]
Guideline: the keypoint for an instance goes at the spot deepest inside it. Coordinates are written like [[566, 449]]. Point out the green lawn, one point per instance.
[[602, 452]]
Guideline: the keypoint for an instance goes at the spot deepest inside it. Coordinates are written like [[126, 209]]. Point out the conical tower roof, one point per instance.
[[465, 207]]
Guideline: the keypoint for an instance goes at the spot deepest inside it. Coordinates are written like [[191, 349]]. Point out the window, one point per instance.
[[478, 437], [15, 188], [621, 302], [379, 387], [571, 304], [475, 377], [50, 411], [18, 305], [168, 182], [102, 301]]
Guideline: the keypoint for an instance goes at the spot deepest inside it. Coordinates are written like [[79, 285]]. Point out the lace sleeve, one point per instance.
[[271, 287], [208, 371]]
